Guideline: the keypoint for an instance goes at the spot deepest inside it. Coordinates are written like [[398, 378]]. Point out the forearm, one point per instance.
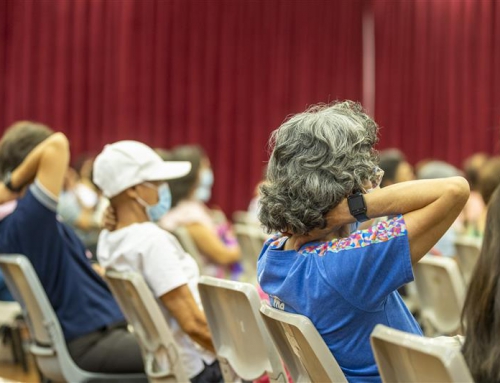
[[200, 333], [400, 198], [52, 155]]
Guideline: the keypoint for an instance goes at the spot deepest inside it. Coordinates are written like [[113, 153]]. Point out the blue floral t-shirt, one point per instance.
[[345, 287]]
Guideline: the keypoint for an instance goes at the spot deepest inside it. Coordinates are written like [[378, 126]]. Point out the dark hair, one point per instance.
[[472, 167], [181, 188], [489, 178], [481, 312], [389, 163], [18, 141]]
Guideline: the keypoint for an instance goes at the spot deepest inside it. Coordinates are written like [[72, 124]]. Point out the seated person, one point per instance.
[[489, 179], [396, 168], [320, 183], [190, 193], [134, 177], [481, 312], [33, 163]]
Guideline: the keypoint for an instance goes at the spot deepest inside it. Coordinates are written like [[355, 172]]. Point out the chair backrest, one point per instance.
[[48, 344], [239, 335], [441, 292], [301, 347], [188, 244], [409, 358], [251, 239], [161, 354], [467, 254]]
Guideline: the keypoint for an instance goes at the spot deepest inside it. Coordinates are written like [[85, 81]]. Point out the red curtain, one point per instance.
[[220, 73], [438, 77]]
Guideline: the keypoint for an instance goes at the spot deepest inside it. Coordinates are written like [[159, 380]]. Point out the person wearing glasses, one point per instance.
[[322, 181]]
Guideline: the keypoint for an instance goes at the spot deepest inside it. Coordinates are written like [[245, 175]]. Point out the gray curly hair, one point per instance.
[[319, 157]]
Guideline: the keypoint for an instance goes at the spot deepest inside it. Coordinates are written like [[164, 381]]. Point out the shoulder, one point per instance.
[[383, 232]]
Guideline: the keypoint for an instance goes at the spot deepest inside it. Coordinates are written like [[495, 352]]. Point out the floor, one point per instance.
[[10, 372]]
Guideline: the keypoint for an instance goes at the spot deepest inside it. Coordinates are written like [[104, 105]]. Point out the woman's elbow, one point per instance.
[[458, 190]]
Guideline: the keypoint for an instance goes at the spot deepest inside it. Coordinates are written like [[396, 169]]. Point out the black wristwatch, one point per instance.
[[357, 207], [8, 183]]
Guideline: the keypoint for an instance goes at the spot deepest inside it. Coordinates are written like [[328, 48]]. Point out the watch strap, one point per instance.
[[357, 207]]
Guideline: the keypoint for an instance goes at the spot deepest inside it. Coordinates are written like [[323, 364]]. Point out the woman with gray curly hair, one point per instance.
[[322, 180]]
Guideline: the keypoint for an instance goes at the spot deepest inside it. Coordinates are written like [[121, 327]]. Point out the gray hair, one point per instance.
[[319, 157]]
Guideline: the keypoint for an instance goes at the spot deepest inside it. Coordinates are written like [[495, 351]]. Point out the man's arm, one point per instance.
[[182, 306], [429, 208], [48, 163]]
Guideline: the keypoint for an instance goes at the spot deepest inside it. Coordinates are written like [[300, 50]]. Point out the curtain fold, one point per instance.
[[219, 73], [437, 76]]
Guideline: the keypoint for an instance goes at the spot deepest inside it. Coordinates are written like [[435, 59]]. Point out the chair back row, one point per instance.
[[242, 336]]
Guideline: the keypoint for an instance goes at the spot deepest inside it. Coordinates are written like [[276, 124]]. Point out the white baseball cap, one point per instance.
[[128, 163]]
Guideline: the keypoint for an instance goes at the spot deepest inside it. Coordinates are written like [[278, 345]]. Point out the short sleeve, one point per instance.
[[35, 212], [370, 264], [162, 266]]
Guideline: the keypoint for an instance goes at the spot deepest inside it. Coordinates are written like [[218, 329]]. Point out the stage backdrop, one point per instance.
[[438, 77], [222, 74]]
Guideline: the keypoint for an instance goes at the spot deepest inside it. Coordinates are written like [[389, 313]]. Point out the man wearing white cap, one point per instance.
[[134, 178]]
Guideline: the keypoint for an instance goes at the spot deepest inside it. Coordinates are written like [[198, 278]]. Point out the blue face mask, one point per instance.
[[155, 212], [204, 191]]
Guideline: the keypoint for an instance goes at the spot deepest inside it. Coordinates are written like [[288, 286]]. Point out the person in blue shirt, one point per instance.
[[322, 180], [33, 164]]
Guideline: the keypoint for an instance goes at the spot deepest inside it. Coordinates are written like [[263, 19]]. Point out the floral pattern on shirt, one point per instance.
[[382, 232]]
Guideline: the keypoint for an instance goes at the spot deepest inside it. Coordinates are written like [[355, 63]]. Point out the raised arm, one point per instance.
[[429, 208], [47, 162]]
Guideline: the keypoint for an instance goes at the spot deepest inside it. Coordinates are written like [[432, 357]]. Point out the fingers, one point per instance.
[[109, 220]]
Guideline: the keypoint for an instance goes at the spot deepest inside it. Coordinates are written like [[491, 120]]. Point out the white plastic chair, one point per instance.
[[441, 290], [241, 339], [161, 354], [251, 240], [467, 251], [409, 358], [188, 244], [48, 345], [301, 347]]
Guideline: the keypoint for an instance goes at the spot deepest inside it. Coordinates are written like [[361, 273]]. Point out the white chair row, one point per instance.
[[47, 340], [251, 339]]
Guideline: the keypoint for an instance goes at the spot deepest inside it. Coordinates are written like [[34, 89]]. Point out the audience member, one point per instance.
[[215, 240], [489, 179], [396, 168], [33, 163], [80, 204], [481, 312], [135, 179], [344, 280], [473, 211], [434, 170]]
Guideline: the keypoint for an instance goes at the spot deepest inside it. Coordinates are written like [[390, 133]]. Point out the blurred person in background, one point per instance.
[[33, 164], [481, 312], [80, 203], [473, 212], [489, 179], [136, 180], [396, 168], [211, 234], [322, 181], [439, 170]]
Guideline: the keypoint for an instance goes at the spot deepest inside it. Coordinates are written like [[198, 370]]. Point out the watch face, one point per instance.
[[357, 203]]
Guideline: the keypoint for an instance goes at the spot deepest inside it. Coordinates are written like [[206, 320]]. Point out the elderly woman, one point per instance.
[[322, 181]]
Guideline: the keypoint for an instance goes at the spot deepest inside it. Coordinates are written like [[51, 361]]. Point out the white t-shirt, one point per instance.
[[156, 254]]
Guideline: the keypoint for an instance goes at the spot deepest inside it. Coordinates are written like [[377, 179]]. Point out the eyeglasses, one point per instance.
[[375, 179]]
